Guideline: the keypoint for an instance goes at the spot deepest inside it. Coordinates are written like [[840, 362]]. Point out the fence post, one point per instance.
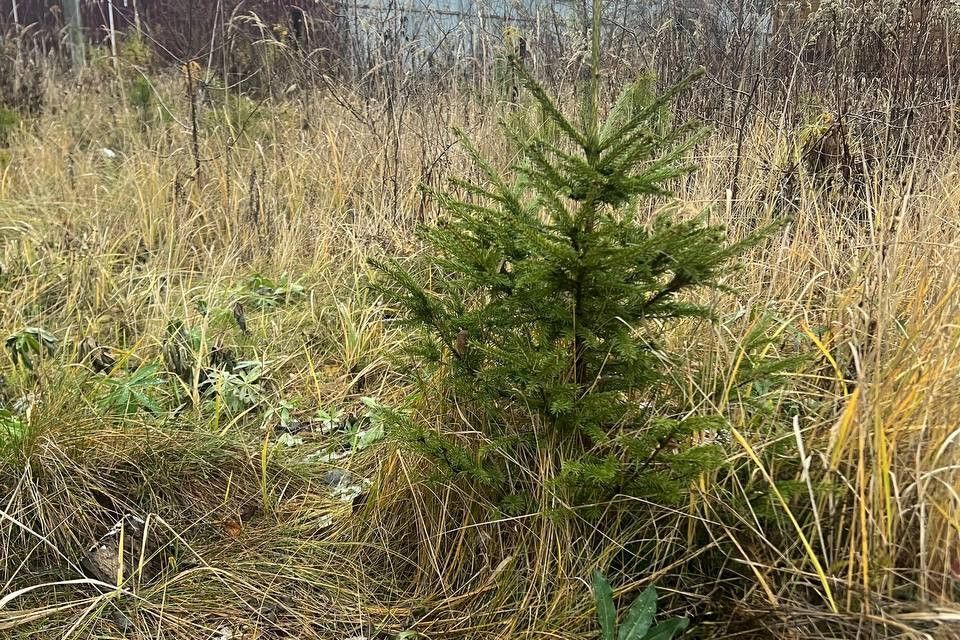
[[71, 12], [113, 38]]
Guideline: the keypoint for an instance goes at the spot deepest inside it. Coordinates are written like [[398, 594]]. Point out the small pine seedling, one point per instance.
[[545, 300]]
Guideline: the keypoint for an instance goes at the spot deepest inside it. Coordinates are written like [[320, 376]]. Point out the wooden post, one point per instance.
[[71, 11]]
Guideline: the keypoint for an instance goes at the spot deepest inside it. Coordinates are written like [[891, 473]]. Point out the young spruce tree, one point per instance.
[[538, 320]]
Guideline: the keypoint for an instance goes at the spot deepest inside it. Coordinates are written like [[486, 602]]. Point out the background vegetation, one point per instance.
[[200, 388]]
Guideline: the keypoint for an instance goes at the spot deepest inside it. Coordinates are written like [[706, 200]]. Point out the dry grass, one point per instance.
[[855, 532]]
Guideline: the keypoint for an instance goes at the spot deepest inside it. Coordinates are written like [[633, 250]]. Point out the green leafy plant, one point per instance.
[[134, 392], [370, 430], [350, 434], [238, 386], [281, 411], [638, 623], [28, 343], [214, 369], [543, 307], [330, 419], [13, 430], [262, 292]]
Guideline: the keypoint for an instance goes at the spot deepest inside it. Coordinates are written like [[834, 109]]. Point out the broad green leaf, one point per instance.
[[666, 630], [147, 402], [12, 429], [30, 341], [290, 440], [603, 594], [640, 616], [364, 438]]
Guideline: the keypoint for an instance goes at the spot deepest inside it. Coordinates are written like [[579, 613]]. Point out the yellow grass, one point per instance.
[[862, 283]]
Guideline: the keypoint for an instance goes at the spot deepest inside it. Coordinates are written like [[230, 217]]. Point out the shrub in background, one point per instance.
[[22, 90]]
